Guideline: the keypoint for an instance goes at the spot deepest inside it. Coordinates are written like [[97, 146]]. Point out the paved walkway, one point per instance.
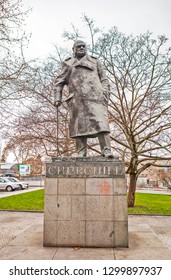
[[21, 238]]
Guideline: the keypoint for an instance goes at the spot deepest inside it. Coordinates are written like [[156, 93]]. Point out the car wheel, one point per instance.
[[9, 189], [21, 187]]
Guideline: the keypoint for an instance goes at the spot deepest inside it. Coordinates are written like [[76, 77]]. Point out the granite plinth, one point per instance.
[[85, 203]]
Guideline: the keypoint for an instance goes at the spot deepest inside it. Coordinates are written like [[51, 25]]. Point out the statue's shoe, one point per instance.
[[108, 154]]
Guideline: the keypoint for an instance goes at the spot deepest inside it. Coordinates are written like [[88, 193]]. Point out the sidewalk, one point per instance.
[[21, 238]]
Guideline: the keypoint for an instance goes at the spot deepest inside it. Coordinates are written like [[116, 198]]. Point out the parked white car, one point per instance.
[[23, 184], [7, 185]]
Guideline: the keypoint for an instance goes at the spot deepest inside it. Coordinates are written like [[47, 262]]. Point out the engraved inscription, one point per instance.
[[84, 169]]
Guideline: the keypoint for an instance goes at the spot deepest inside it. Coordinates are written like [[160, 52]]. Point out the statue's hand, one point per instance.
[[57, 103]]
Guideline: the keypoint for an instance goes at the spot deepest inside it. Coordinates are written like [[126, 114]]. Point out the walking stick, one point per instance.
[[57, 132]]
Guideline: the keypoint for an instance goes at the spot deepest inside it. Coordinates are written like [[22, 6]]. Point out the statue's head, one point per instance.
[[79, 49]]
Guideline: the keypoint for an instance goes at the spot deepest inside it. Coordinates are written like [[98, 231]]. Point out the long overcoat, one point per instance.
[[88, 89]]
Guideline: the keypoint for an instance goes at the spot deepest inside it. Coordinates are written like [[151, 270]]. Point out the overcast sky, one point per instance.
[[49, 18]]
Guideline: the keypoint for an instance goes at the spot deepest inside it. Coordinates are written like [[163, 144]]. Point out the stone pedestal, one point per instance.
[[85, 203]]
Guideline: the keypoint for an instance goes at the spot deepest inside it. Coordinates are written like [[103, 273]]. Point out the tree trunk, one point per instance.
[[132, 188]]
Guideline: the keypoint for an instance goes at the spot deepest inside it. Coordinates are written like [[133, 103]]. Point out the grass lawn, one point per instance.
[[25, 201], [151, 204], [144, 203]]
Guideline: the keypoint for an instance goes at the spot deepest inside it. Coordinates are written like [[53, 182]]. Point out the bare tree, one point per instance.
[[139, 70], [12, 62], [35, 126], [139, 111], [140, 104], [164, 175]]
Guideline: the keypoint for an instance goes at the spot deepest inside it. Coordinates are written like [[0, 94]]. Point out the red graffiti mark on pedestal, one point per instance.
[[105, 187]]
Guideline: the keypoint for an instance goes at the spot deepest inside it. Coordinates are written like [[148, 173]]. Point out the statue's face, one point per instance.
[[80, 49]]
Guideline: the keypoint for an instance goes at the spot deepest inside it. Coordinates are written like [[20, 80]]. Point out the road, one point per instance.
[[154, 191], [30, 189]]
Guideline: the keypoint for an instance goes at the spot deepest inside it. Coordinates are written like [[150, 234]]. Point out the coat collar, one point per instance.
[[86, 61]]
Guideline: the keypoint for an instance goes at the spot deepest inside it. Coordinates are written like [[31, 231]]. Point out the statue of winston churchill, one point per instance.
[[88, 97]]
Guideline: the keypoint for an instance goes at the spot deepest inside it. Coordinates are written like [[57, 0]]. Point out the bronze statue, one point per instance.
[[87, 101]]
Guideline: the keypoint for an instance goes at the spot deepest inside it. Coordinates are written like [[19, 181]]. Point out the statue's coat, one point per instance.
[[88, 95]]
